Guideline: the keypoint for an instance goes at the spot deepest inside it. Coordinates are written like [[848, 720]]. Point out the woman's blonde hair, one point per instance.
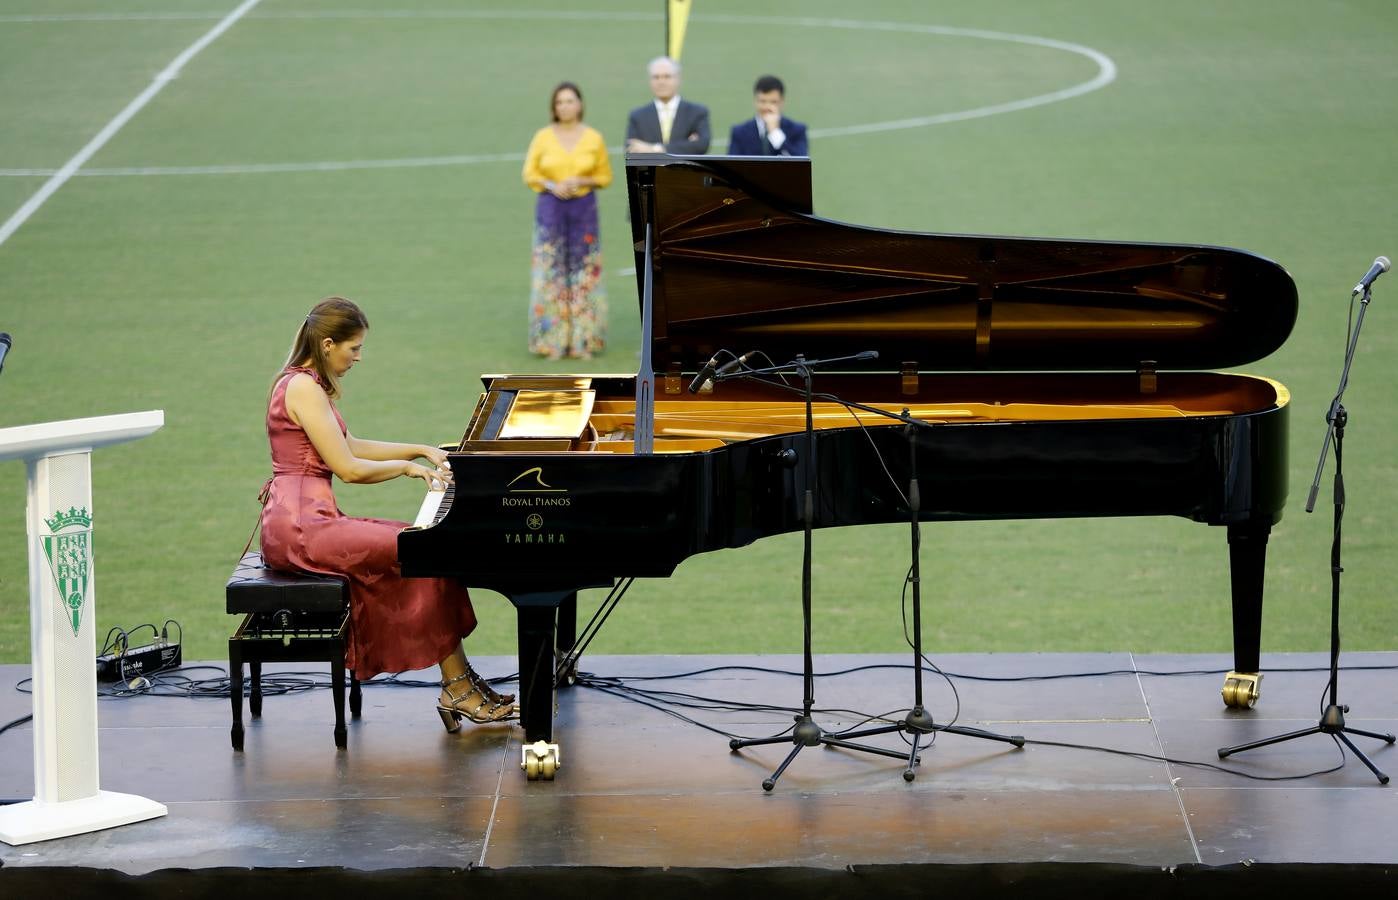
[[335, 318]]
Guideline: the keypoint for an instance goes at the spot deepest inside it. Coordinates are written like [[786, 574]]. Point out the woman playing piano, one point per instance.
[[396, 623]]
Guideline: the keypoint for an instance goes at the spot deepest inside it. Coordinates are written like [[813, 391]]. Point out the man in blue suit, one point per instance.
[[769, 133]]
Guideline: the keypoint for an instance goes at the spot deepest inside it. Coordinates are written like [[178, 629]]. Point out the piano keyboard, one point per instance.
[[434, 506]]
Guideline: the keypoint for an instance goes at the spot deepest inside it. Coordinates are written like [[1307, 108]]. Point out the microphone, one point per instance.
[[867, 354], [5, 343], [1380, 266], [704, 374], [734, 364]]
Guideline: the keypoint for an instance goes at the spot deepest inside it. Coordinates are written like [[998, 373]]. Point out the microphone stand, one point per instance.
[[1332, 720], [807, 733], [919, 722]]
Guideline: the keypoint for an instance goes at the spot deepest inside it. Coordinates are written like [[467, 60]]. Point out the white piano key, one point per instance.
[[428, 511]]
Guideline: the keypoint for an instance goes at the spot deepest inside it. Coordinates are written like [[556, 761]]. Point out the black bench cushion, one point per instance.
[[253, 588]]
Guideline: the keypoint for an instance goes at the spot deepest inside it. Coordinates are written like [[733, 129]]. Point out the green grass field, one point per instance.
[[1268, 126]]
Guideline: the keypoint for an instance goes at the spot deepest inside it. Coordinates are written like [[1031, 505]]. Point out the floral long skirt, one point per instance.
[[567, 302]]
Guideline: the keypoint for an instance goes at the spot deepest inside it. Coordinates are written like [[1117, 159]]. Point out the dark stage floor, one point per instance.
[[639, 788]]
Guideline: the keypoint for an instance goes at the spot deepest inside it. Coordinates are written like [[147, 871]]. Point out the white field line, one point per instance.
[[420, 14], [171, 72], [1106, 74]]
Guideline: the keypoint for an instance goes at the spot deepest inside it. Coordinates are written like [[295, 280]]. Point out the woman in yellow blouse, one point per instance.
[[566, 162]]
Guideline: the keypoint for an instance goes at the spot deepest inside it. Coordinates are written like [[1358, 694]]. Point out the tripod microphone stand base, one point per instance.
[[919, 722], [1332, 722], [808, 734]]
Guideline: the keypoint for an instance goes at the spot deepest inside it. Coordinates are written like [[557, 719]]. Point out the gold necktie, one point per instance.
[[667, 118]]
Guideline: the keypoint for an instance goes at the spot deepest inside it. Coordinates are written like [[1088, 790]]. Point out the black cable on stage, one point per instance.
[[649, 699], [631, 693], [1053, 676], [619, 687], [296, 682], [672, 713], [1193, 764], [174, 683], [615, 688]]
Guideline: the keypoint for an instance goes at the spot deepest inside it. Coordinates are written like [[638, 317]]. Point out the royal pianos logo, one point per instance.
[[70, 560], [529, 491]]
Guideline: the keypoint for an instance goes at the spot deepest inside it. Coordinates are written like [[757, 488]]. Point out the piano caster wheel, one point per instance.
[[1241, 689], [237, 737], [540, 762]]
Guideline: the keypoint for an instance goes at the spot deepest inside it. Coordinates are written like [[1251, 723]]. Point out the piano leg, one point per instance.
[[537, 616], [1247, 552]]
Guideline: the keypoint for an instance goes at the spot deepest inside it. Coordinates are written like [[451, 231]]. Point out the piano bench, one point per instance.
[[287, 617]]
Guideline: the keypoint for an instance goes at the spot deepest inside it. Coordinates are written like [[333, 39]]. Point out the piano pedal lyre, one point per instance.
[[540, 761], [1241, 689]]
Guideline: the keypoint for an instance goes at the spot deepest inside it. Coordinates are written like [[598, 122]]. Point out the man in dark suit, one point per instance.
[[769, 133], [669, 124]]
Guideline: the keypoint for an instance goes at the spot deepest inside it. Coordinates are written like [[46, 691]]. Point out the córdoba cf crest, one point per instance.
[[70, 561]]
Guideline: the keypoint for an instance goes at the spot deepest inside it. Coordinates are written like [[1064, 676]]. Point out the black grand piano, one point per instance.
[[1066, 378]]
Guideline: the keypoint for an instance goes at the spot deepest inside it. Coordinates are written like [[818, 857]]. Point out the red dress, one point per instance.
[[396, 623]]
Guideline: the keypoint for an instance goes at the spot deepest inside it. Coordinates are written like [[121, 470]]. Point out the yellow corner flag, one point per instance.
[[676, 17]]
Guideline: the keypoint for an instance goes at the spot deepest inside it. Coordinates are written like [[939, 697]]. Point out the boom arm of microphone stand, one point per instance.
[[795, 367], [1336, 404], [1319, 468], [786, 370]]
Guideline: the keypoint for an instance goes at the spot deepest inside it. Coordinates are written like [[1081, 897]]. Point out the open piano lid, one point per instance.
[[741, 263]]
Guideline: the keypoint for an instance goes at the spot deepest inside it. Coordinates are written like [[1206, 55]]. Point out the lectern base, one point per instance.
[[25, 823]]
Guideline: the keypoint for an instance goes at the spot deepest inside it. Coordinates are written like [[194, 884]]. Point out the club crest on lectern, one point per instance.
[[70, 560]]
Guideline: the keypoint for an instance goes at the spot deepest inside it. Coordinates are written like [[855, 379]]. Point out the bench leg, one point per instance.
[[356, 700], [337, 688], [235, 692], [255, 697]]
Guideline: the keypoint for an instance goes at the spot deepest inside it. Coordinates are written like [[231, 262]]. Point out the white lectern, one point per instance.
[[62, 629]]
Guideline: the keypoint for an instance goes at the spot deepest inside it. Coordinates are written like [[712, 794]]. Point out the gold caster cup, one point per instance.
[[1241, 689], [540, 761]]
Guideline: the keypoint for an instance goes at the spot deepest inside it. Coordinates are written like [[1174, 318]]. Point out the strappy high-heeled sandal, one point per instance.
[[483, 685], [475, 704]]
